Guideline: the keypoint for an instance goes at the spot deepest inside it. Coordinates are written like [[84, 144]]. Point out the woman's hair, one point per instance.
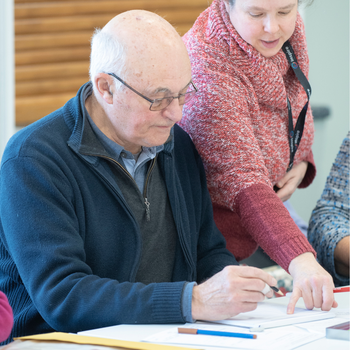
[[107, 56], [306, 2]]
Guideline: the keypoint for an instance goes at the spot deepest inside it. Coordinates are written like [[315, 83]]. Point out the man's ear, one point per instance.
[[105, 86]]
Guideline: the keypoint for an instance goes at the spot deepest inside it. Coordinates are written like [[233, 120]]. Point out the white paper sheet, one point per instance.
[[272, 315], [285, 338], [320, 326]]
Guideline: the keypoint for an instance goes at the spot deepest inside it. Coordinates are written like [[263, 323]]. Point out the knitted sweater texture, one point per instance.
[[329, 222], [239, 124]]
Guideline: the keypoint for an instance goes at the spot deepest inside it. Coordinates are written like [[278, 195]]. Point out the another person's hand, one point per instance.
[[311, 282], [233, 290], [291, 180], [342, 256]]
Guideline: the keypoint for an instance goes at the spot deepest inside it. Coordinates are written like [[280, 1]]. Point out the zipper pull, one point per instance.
[[148, 212]]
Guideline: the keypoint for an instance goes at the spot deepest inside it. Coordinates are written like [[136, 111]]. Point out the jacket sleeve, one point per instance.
[[329, 222], [40, 230]]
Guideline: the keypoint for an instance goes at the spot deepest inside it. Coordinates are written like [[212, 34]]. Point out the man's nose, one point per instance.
[[173, 111]]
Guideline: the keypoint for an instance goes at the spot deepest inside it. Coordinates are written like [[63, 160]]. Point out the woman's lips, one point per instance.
[[270, 44]]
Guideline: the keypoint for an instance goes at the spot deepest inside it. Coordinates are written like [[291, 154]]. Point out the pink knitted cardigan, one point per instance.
[[6, 317], [239, 124]]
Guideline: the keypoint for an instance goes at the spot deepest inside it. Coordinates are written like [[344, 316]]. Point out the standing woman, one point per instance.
[[244, 123]]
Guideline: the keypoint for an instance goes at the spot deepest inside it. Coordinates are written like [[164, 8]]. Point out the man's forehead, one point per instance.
[[163, 74]]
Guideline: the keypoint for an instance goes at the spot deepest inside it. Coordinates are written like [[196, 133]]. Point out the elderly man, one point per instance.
[[105, 214]]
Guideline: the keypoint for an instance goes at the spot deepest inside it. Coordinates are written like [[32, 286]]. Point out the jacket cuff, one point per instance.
[[166, 302]]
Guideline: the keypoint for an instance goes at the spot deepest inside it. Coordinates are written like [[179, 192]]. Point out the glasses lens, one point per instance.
[[161, 103], [187, 97]]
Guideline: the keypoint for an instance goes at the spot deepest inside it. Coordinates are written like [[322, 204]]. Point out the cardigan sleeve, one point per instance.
[[310, 172], [269, 223]]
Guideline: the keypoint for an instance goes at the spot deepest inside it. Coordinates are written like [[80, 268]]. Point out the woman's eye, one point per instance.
[[284, 13]]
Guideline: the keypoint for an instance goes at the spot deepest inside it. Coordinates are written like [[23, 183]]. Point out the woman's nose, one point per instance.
[[271, 25]]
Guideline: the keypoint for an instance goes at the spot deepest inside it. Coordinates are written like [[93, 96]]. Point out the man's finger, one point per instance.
[[254, 272]]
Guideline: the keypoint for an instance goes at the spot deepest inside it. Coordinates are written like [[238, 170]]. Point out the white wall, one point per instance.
[[7, 85], [327, 33]]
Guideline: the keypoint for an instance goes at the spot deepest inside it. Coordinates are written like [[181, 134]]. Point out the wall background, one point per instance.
[[7, 73], [327, 33]]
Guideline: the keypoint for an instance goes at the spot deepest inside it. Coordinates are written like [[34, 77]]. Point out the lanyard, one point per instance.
[[296, 133]]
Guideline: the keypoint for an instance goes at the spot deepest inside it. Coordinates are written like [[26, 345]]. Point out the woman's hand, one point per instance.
[[289, 182], [311, 282]]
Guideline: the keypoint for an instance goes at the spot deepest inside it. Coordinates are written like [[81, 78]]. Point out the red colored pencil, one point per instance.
[[341, 290]]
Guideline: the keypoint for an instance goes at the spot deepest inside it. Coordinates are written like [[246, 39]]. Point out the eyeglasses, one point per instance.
[[160, 103]]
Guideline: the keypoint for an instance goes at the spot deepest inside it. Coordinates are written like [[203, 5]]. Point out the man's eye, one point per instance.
[[157, 102], [256, 15]]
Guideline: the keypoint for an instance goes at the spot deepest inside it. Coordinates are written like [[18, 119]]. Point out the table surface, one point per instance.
[[139, 332]]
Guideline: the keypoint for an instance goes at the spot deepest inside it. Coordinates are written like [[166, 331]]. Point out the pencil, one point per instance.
[[275, 289], [341, 290], [222, 334]]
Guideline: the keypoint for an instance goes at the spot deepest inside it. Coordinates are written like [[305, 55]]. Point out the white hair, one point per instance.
[[107, 56]]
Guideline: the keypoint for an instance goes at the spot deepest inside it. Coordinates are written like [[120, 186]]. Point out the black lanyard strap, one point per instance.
[[296, 133]]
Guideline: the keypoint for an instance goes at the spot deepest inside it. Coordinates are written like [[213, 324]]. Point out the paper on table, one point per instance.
[[320, 326], [80, 339], [286, 338], [272, 315]]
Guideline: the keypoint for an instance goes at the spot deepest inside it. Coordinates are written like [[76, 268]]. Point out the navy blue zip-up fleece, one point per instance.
[[70, 245]]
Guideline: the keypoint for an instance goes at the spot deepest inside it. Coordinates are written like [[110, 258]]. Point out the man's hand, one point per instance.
[[289, 182], [311, 282], [233, 290]]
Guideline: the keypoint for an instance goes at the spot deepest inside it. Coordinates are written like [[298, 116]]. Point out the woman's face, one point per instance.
[[264, 24]]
